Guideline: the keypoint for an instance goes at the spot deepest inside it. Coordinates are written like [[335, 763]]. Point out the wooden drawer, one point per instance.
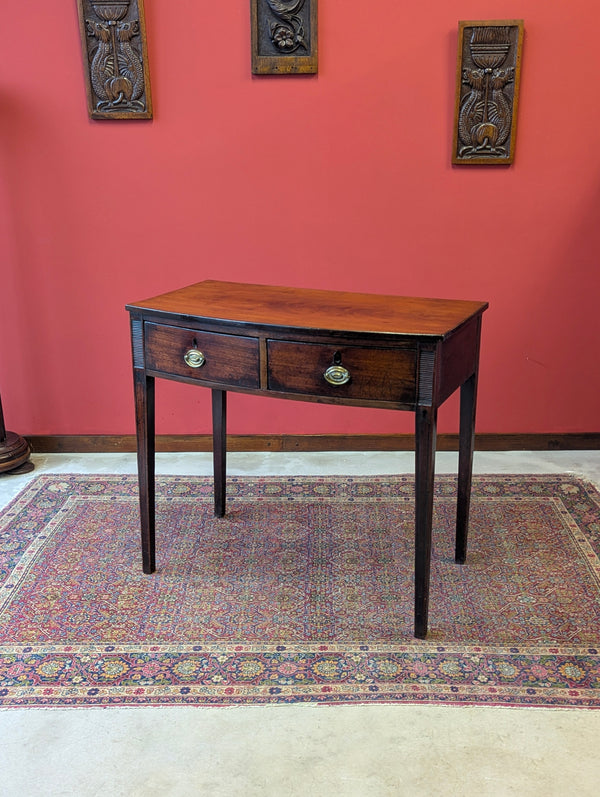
[[228, 359], [375, 374]]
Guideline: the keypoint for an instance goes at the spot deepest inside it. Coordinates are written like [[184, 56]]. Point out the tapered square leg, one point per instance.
[[468, 397], [144, 422], [219, 418], [425, 441]]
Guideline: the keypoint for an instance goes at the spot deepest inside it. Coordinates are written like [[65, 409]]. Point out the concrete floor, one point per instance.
[[301, 750]]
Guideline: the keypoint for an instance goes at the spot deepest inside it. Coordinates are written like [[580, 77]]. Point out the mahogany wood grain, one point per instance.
[[378, 374], [232, 359], [307, 308]]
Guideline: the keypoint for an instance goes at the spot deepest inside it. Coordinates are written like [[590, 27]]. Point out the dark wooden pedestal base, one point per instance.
[[14, 454]]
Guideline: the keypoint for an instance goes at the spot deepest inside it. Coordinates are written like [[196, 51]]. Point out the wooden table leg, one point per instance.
[[468, 397], [425, 441], [144, 422], [219, 419]]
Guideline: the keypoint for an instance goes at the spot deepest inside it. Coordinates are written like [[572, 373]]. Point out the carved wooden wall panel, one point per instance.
[[487, 91], [284, 37], [113, 39]]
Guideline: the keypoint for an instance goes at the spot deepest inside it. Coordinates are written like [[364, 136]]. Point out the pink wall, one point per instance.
[[336, 180]]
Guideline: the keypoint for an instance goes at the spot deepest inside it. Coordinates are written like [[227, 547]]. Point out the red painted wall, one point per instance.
[[337, 180]]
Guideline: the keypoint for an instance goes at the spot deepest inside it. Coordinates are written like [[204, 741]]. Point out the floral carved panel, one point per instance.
[[113, 40], [487, 91], [284, 37]]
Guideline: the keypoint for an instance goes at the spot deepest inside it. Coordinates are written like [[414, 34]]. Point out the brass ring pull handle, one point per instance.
[[194, 358], [337, 375]]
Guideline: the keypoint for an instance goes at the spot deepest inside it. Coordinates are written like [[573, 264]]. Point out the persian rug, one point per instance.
[[303, 592]]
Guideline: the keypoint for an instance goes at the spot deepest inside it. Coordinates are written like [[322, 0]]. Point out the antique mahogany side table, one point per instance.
[[362, 350]]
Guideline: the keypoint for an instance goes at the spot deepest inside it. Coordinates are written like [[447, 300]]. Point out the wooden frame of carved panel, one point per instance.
[[284, 37], [115, 57], [487, 91]]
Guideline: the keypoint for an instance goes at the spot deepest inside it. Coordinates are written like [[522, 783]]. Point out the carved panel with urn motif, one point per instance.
[[113, 40], [487, 91]]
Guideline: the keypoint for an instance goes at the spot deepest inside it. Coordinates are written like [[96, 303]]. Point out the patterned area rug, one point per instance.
[[303, 592]]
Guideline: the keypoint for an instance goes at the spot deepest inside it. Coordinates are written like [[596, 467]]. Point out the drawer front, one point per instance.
[[226, 359], [373, 374]]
